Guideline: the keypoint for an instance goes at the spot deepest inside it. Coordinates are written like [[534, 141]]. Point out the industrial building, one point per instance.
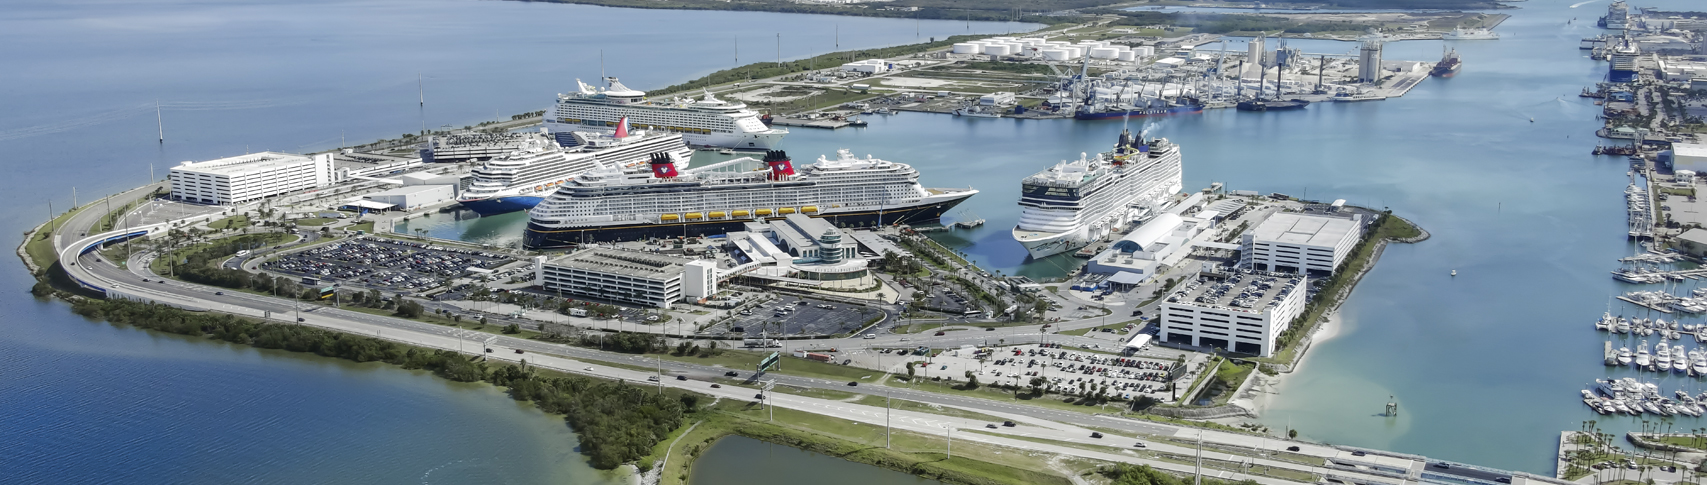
[[1139, 255], [1241, 313], [1369, 62], [247, 178], [629, 277], [1693, 242], [1687, 156], [1297, 243], [411, 197]]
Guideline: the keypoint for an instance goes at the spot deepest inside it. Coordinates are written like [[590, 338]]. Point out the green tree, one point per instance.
[[512, 329], [910, 371]]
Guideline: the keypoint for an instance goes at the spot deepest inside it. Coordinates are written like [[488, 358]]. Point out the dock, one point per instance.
[[829, 124]]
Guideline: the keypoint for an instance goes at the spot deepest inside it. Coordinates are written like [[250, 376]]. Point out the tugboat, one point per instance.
[[1448, 65]]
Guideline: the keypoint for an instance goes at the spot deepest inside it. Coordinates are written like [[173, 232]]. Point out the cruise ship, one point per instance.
[[1617, 16], [1071, 204], [706, 121], [611, 204], [521, 178], [1624, 67]]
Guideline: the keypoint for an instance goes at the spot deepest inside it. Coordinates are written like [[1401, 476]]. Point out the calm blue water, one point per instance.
[[85, 402]]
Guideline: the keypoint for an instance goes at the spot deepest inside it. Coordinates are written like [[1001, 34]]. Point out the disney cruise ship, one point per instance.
[[521, 178], [1071, 204], [610, 204], [707, 121]]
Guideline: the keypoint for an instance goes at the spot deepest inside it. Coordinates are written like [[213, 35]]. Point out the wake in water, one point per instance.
[[1579, 4]]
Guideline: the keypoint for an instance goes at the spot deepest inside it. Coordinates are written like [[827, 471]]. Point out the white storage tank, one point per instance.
[[1104, 53], [1073, 52], [1144, 51], [1128, 56], [996, 50], [1055, 54], [967, 48]]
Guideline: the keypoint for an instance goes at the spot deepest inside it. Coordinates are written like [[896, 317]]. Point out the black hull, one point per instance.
[[540, 237]]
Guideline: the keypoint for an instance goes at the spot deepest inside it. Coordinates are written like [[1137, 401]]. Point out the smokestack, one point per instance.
[[779, 164], [662, 167]]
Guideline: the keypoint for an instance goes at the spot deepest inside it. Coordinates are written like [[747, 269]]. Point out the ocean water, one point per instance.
[[88, 402]]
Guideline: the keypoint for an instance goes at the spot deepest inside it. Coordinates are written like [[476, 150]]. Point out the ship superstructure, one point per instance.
[[518, 180], [1624, 61], [1617, 16], [1071, 204], [608, 203], [706, 121]]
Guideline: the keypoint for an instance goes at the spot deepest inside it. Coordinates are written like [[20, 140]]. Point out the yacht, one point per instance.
[[1698, 362], [1624, 357], [1623, 325], [1679, 361], [1662, 357], [1642, 356], [1605, 322]]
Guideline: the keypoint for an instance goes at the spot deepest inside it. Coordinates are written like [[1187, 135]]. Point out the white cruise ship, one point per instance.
[[521, 178], [611, 204], [707, 121], [1071, 204]]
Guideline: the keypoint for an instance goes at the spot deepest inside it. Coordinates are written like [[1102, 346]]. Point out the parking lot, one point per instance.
[[1068, 372], [809, 317], [385, 264]]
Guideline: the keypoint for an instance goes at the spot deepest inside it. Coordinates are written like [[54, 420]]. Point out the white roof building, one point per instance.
[[247, 178], [1297, 243]]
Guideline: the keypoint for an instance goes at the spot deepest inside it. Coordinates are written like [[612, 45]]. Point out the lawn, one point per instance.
[[314, 221], [915, 406], [745, 362], [916, 453], [233, 222]]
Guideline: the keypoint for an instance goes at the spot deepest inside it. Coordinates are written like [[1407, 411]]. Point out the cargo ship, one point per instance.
[[609, 203], [1448, 65], [1117, 112]]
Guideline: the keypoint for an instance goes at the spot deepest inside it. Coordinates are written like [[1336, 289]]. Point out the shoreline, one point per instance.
[[1265, 388]]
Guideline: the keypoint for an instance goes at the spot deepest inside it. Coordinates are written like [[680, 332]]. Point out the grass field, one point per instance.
[[314, 221], [233, 222]]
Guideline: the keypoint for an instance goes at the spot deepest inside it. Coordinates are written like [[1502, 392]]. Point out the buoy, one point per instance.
[[1454, 272]]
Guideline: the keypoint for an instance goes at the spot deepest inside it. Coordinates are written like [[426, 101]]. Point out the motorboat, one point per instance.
[[1662, 356], [1666, 409], [1643, 358], [1587, 394], [1649, 406], [1624, 356], [1679, 360], [1604, 323], [1698, 362], [1623, 325]]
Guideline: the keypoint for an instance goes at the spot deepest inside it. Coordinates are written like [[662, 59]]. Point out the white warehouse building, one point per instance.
[[1243, 314], [411, 197], [247, 178], [1302, 244], [629, 277]]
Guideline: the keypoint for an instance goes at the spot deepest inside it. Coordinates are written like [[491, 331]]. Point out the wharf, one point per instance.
[[1658, 307], [825, 124]]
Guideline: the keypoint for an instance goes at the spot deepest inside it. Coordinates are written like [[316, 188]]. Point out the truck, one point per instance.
[[761, 343], [577, 312]]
